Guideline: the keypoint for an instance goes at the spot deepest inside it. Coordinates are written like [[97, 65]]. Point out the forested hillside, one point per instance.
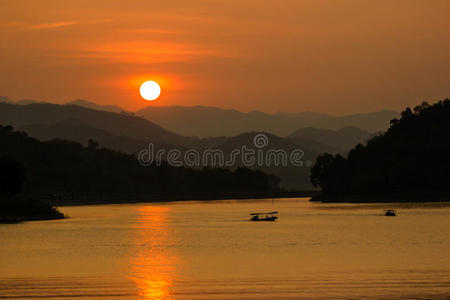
[[65, 169], [413, 155]]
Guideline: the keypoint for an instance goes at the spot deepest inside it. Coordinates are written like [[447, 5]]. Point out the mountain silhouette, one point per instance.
[[117, 124], [92, 105], [291, 176], [205, 121], [75, 130]]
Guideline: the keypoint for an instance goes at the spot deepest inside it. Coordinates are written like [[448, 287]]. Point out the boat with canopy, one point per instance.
[[268, 216]]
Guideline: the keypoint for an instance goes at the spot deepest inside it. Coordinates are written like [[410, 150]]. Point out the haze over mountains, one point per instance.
[[92, 105], [116, 129], [78, 102], [205, 121], [118, 124], [342, 139]]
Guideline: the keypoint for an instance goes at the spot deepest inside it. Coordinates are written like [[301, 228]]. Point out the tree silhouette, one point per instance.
[[414, 154], [12, 176], [92, 144], [61, 167]]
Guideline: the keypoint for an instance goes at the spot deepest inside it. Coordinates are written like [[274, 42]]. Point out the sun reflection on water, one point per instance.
[[153, 266]]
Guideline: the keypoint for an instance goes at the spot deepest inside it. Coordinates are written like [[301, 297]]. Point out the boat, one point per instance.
[[269, 216], [390, 213]]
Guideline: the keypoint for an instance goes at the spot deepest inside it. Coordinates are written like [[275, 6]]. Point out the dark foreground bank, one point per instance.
[[19, 210]]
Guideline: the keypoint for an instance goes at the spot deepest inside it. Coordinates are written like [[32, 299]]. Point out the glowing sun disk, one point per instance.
[[150, 90]]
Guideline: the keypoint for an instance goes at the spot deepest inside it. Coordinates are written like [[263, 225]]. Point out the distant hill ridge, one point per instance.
[[92, 105], [205, 121], [117, 124]]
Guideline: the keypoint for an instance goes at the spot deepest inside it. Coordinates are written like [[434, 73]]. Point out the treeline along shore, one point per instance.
[[63, 200], [60, 172]]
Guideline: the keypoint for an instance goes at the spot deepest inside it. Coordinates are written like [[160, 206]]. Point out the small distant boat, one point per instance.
[[269, 216], [390, 213]]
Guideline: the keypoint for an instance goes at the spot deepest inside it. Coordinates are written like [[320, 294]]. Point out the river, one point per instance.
[[209, 250]]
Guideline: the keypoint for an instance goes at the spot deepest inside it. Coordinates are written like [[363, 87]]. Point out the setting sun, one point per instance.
[[150, 90]]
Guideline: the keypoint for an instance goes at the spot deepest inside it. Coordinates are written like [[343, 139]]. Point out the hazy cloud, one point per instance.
[[52, 25]]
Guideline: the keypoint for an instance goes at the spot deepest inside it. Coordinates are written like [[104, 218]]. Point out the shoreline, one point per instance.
[[18, 210], [421, 196], [177, 198]]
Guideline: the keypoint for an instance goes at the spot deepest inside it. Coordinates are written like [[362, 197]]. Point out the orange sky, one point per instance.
[[272, 55]]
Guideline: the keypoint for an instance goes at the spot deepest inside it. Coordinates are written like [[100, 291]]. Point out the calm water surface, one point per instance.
[[208, 250]]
